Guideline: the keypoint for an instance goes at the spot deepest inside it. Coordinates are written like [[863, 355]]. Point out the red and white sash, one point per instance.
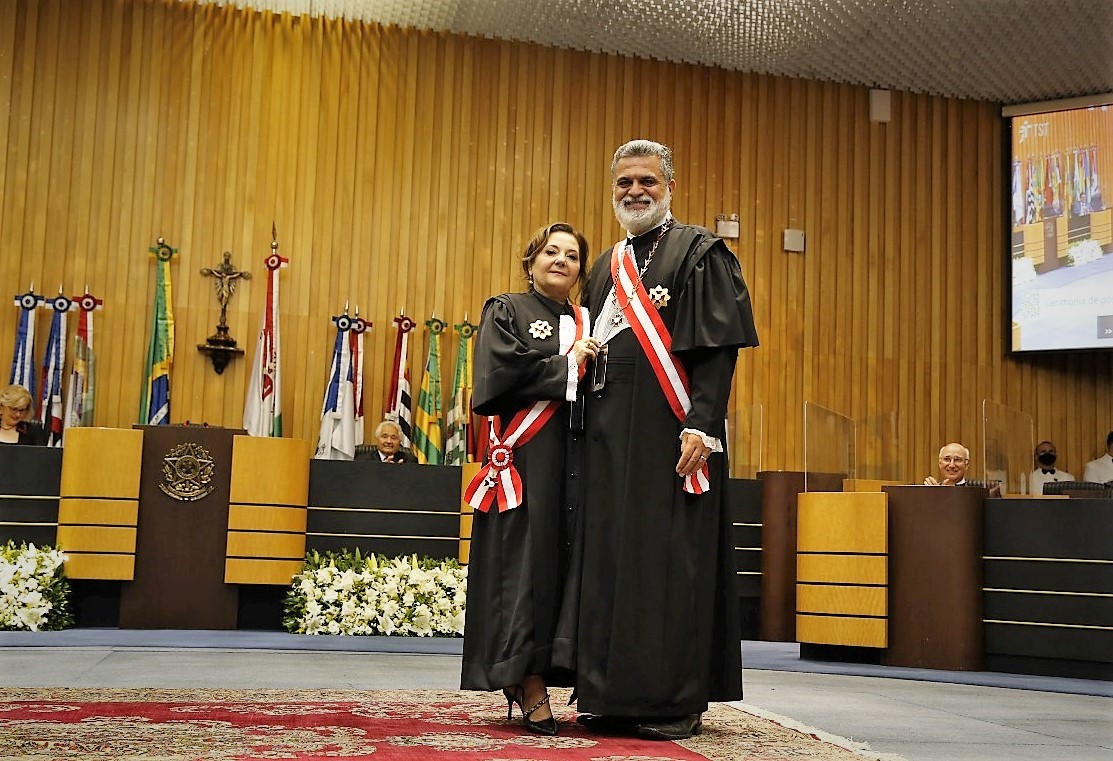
[[499, 479], [656, 342]]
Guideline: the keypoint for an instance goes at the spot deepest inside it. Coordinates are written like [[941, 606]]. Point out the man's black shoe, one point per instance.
[[679, 728], [608, 724]]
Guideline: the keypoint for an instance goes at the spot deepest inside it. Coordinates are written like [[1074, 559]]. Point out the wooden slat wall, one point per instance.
[[406, 169]]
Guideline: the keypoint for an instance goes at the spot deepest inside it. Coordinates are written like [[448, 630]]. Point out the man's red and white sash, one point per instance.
[[656, 342], [499, 480]]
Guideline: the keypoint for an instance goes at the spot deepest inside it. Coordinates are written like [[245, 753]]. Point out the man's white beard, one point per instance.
[[638, 222]]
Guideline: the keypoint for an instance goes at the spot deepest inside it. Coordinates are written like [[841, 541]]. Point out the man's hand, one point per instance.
[[693, 454]]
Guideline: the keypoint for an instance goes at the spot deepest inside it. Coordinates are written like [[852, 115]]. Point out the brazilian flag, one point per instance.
[[154, 405]]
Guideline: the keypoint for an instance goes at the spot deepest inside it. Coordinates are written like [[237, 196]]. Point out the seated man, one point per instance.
[[954, 459], [1045, 471], [388, 445], [1101, 470]]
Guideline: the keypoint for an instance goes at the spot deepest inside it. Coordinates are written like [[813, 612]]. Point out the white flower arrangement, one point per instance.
[[1083, 253], [346, 593], [1024, 270], [34, 593]]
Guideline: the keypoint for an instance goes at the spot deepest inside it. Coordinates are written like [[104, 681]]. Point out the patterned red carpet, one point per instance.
[[425, 725]]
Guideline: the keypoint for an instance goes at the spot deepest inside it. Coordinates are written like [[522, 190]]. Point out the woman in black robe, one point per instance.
[[520, 626], [16, 425]]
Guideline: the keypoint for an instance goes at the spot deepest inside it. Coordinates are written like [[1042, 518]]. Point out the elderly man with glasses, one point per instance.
[[954, 459]]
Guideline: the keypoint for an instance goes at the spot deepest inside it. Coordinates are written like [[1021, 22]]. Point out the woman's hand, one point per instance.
[[584, 349]]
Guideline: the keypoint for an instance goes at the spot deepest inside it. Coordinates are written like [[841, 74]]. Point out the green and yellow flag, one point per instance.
[[154, 405], [428, 441], [459, 414]]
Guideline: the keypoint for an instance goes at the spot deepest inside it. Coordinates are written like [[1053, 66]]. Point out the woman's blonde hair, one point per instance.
[[16, 397]]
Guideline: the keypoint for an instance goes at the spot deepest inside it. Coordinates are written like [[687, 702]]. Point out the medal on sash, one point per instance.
[[656, 342]]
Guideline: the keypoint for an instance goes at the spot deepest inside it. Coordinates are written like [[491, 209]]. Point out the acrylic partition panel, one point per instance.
[[745, 430], [879, 456], [828, 446], [1008, 440]]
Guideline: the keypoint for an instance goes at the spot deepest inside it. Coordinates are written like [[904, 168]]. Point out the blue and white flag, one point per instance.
[[51, 396], [23, 358], [355, 344], [337, 440]]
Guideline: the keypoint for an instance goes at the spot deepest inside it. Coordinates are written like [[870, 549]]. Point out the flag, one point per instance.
[[23, 358], [50, 396], [398, 398], [427, 416], [262, 410], [1079, 182], [154, 404], [1087, 187], [1018, 196], [337, 437], [456, 447], [1056, 184], [355, 343], [81, 397], [1096, 202]]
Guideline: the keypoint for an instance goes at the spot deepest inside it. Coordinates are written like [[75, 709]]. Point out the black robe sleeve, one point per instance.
[[509, 373], [32, 434], [713, 320], [710, 372], [713, 307]]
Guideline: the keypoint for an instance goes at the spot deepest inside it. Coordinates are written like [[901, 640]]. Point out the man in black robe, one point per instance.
[[659, 634]]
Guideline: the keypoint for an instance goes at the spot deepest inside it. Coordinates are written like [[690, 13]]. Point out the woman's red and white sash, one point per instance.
[[499, 480], [656, 342]]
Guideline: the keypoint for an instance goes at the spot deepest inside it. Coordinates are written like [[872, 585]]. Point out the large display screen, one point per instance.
[[1061, 226]]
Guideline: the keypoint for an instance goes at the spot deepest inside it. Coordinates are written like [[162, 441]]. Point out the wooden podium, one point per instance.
[[778, 547], [935, 577], [182, 532]]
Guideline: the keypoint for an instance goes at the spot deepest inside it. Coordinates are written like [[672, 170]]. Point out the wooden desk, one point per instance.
[[935, 577]]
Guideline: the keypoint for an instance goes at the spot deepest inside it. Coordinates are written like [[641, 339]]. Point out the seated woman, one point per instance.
[[16, 425], [530, 352]]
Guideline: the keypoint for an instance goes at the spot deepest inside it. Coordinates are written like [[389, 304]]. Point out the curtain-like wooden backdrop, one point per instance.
[[406, 170]]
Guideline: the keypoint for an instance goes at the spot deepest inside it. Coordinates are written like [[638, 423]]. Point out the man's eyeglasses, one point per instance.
[[950, 459]]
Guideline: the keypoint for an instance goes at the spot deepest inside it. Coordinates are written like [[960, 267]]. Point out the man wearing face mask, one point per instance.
[[1045, 471]]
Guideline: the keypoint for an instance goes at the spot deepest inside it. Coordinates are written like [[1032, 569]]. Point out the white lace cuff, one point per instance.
[[708, 441], [573, 379]]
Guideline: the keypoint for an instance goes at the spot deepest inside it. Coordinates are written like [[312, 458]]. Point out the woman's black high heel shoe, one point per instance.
[[516, 696]]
